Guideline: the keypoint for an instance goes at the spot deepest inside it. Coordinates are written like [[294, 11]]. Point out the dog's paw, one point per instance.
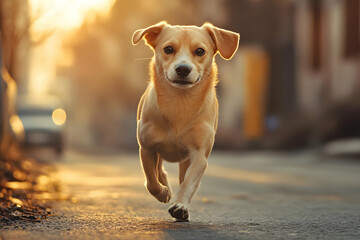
[[180, 212], [165, 195]]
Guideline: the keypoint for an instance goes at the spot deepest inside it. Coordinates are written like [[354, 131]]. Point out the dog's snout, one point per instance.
[[183, 70]]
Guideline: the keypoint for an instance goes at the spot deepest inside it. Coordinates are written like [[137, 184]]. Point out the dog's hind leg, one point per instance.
[[183, 166], [162, 175], [149, 162]]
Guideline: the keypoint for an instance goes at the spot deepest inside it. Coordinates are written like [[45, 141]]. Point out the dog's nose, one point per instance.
[[182, 70]]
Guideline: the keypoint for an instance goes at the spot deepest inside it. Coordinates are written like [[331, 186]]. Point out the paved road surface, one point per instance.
[[242, 196]]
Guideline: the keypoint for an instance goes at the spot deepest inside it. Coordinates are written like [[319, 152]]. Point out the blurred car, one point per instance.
[[43, 119]]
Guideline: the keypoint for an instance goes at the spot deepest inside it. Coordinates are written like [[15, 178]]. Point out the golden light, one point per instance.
[[64, 14], [19, 175], [17, 126], [16, 201], [18, 185], [59, 116], [51, 22]]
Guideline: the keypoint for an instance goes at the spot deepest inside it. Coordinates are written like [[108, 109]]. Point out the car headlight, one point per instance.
[[59, 116]]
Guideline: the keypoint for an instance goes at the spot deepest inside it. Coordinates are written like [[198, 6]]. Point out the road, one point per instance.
[[256, 195]]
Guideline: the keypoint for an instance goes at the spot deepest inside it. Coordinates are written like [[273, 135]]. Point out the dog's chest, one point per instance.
[[164, 141]]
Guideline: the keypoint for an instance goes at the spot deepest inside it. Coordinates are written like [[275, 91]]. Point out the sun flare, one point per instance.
[[65, 15], [51, 21]]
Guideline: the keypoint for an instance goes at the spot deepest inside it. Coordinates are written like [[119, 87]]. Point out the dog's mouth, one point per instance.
[[183, 82]]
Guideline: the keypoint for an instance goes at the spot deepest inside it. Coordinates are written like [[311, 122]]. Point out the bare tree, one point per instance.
[[15, 23]]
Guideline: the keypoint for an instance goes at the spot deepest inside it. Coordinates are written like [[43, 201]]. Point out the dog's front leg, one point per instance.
[[194, 173], [150, 161]]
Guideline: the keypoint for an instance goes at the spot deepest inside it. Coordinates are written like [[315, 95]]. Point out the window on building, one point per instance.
[[352, 28], [315, 55]]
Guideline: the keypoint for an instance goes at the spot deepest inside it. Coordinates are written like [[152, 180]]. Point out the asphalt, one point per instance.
[[259, 195]]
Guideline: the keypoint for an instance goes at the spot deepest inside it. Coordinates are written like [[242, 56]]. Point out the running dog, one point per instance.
[[178, 113]]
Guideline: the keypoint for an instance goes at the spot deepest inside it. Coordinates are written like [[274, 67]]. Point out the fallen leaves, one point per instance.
[[23, 184]]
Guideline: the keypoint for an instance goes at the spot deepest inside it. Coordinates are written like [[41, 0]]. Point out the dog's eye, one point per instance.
[[168, 50], [200, 52]]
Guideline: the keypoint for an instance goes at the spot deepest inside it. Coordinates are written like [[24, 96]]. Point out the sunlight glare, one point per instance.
[[51, 21], [64, 14]]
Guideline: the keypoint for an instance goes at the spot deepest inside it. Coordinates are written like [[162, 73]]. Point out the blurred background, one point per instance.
[[72, 79]]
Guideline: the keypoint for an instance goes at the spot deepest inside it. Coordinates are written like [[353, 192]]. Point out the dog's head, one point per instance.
[[184, 54]]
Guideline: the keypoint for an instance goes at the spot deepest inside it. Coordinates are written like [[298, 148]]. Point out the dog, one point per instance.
[[177, 115]]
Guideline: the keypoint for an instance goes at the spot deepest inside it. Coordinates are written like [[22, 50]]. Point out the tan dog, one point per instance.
[[177, 114]]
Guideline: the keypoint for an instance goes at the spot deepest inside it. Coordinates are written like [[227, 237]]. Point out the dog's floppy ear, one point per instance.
[[150, 34], [226, 42]]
